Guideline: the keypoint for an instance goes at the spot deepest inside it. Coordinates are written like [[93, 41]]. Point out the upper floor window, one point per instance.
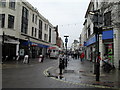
[[40, 34], [32, 31], [2, 20], [40, 24], [49, 34], [33, 18], [45, 37], [46, 27], [35, 32], [36, 19], [24, 26], [107, 18], [3, 3], [12, 4], [10, 21], [25, 13], [89, 32]]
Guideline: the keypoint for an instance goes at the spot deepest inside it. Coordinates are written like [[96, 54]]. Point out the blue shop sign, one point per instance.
[[91, 41], [107, 34], [35, 44]]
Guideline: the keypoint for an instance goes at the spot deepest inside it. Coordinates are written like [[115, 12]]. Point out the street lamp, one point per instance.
[[3, 45], [97, 30], [66, 41]]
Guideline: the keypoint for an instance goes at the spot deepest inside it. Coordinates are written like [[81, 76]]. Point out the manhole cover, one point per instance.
[[69, 71]]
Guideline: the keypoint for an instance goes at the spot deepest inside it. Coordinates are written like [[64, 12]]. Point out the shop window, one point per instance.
[[10, 21], [2, 20]]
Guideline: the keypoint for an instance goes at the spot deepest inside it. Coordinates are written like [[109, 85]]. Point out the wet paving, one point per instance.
[[32, 75], [82, 73]]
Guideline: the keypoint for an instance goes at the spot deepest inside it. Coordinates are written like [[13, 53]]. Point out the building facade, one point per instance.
[[24, 30], [109, 40]]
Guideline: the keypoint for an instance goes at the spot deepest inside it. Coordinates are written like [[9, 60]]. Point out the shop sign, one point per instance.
[[34, 44]]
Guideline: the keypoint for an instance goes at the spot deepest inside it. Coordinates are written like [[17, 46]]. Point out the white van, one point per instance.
[[54, 52]]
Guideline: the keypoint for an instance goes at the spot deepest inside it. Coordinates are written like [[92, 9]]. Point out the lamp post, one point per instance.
[[3, 45], [97, 31], [66, 41]]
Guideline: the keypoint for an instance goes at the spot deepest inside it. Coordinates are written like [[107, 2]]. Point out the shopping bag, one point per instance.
[[40, 59]]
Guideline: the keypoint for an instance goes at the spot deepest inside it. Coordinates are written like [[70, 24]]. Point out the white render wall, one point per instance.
[[117, 47], [17, 13]]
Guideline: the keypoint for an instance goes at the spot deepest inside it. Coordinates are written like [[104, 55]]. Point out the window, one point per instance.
[[35, 32], [46, 26], [40, 29], [40, 24], [10, 21], [33, 18], [3, 3], [36, 19], [24, 26], [89, 31], [12, 4], [45, 37], [49, 34], [32, 31], [2, 20], [40, 34], [107, 19]]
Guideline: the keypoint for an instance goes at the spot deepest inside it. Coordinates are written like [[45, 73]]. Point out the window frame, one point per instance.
[[24, 22], [3, 3], [2, 19], [107, 18], [12, 4], [11, 20]]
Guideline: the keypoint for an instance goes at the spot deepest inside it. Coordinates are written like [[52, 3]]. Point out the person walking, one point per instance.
[[82, 55]]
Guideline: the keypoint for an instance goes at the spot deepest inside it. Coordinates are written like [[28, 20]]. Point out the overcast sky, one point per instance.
[[67, 14]]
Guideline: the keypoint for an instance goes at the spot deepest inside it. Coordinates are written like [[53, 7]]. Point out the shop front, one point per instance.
[[108, 46], [9, 50], [35, 48], [90, 48]]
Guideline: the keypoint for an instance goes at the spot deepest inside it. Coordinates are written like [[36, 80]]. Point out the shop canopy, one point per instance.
[[35, 44]]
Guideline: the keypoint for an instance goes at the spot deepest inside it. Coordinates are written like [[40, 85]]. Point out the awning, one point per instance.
[[35, 44]]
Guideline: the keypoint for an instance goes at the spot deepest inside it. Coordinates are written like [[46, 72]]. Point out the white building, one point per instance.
[[24, 27], [109, 40]]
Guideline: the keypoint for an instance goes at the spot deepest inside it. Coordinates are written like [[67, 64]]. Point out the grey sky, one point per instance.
[[67, 14]]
